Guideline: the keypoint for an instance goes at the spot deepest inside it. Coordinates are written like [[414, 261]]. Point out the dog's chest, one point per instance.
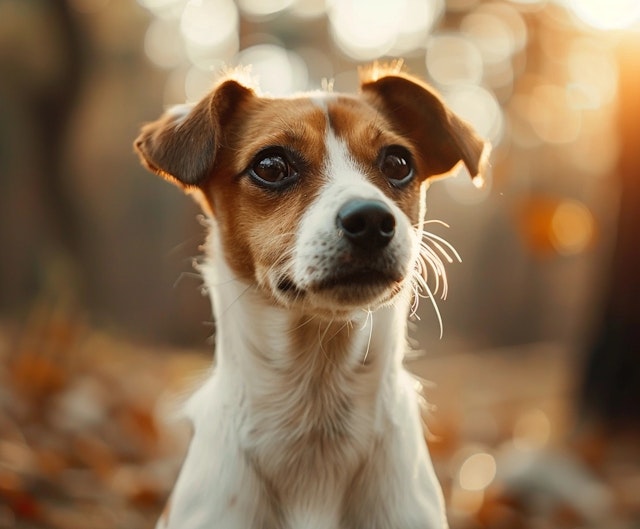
[[311, 419]]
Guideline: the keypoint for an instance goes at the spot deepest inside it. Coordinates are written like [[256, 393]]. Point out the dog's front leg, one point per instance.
[[217, 486], [397, 487]]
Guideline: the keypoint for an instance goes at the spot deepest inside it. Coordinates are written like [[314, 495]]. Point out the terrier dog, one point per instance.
[[316, 207]]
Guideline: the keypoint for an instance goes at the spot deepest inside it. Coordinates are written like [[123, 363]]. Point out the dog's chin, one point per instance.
[[341, 293]]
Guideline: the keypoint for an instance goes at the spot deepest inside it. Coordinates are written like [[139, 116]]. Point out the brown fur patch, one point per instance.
[[252, 217]]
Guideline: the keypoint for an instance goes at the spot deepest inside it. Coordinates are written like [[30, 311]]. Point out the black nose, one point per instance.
[[367, 223]]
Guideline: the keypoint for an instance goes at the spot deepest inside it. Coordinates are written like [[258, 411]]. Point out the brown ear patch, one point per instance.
[[417, 112], [181, 145]]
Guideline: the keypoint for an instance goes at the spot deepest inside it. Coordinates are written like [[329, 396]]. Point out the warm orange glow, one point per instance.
[[566, 227], [572, 227]]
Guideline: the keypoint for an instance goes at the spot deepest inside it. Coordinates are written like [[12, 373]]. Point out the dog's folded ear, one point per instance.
[[441, 138], [182, 144]]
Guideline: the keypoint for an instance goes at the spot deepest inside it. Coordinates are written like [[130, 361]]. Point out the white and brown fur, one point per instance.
[[308, 419]]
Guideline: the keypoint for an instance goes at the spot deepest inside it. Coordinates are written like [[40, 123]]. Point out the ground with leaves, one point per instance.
[[87, 440]]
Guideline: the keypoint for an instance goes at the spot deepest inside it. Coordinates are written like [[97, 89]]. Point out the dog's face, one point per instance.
[[317, 198]]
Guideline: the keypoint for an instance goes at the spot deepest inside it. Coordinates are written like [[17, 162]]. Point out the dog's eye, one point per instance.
[[397, 165], [272, 169]]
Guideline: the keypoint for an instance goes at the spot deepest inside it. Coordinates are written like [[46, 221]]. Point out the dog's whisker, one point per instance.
[[370, 320], [184, 275], [435, 249], [431, 261], [432, 237], [225, 310], [189, 241], [436, 309], [322, 342], [432, 250], [420, 224], [338, 331], [303, 324]]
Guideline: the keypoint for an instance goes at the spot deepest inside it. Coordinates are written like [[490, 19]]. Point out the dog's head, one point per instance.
[[317, 198]]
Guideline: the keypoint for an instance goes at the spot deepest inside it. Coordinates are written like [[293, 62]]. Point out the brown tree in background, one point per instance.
[[42, 61], [610, 392]]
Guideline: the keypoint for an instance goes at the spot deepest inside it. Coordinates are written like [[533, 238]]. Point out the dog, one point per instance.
[[316, 209]]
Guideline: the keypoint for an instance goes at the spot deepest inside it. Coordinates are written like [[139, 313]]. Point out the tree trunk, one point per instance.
[[610, 392]]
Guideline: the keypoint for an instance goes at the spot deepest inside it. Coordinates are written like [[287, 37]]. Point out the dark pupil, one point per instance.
[[395, 167], [272, 169]]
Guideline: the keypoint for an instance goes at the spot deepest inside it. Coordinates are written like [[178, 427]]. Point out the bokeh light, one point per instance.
[[593, 73], [366, 30], [168, 9], [197, 82], [453, 59], [477, 472], [263, 8], [278, 71], [494, 38], [309, 9], [163, 43], [572, 227], [612, 14], [209, 23], [478, 106], [553, 120], [418, 19], [532, 430]]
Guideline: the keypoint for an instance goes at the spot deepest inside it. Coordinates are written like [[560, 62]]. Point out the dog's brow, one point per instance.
[[301, 133], [298, 135]]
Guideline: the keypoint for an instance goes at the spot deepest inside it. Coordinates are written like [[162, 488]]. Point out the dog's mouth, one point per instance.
[[360, 286], [287, 286], [369, 278]]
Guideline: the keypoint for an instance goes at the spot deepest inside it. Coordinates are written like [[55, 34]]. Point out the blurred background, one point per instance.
[[102, 318]]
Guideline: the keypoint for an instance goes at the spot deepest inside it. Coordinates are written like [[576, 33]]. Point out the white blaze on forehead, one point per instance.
[[322, 99], [342, 171], [339, 165]]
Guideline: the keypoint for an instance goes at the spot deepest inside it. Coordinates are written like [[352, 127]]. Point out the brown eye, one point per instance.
[[396, 164], [272, 169]]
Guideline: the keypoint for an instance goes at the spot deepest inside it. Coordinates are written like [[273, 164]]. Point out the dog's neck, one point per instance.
[[277, 355]]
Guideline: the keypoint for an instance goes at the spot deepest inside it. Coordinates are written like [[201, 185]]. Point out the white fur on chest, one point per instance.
[[293, 439]]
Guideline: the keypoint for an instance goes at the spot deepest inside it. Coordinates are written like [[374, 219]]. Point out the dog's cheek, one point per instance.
[[233, 219], [408, 200], [274, 235], [258, 230]]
